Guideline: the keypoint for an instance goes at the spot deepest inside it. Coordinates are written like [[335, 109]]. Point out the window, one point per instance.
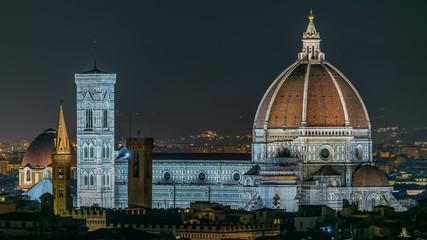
[[324, 153], [28, 175], [91, 179], [61, 173], [89, 118], [85, 152], [91, 152], [236, 176], [107, 155], [359, 152], [85, 180], [105, 119], [104, 151], [201, 176], [61, 192], [167, 176]]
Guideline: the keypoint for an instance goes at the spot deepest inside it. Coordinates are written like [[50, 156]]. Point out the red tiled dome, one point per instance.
[[312, 95], [38, 154], [369, 176]]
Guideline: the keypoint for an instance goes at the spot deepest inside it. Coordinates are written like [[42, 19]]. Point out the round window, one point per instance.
[[167, 176], [236, 176], [326, 152], [201, 176]]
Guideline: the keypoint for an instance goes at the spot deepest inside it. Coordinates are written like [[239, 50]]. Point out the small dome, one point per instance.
[[38, 154], [369, 176]]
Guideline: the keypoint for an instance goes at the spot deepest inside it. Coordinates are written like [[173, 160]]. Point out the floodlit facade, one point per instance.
[[312, 138], [311, 145], [182, 178], [95, 138]]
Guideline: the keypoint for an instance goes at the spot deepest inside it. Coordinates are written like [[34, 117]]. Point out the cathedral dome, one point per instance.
[[38, 154], [311, 93], [369, 176]]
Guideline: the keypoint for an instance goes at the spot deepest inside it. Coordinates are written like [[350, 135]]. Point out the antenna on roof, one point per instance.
[[94, 54], [130, 126]]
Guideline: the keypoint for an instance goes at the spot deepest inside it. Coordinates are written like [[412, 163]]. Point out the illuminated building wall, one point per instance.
[[95, 138]]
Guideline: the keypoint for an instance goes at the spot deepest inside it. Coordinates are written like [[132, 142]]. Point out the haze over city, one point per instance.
[[187, 66]]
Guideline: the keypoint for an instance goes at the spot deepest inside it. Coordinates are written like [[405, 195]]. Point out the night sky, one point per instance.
[[188, 66]]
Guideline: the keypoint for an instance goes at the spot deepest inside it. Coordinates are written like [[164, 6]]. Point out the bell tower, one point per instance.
[[95, 138], [61, 158]]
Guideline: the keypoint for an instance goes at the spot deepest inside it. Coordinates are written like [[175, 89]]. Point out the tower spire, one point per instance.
[[62, 145], [311, 16], [311, 42], [61, 169]]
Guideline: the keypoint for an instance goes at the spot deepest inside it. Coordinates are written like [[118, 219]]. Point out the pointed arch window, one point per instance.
[[89, 118], [108, 151], [85, 180], [91, 152], [85, 152], [103, 179], [28, 175], [104, 151], [91, 179], [105, 119]]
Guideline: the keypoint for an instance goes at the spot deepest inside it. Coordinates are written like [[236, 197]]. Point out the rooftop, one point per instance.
[[202, 156]]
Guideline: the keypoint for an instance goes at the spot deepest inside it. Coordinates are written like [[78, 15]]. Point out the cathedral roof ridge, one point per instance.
[[204, 156]]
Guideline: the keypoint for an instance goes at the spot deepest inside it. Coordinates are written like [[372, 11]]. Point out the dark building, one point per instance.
[[140, 172]]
